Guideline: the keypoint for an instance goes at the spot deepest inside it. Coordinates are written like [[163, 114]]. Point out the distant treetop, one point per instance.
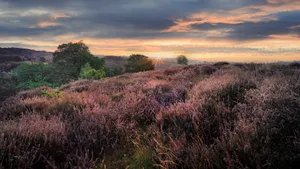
[[182, 60], [138, 63]]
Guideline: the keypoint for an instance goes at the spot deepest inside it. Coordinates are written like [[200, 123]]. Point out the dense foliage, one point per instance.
[[33, 75], [8, 85], [138, 63], [182, 60], [87, 72], [71, 61], [70, 58], [207, 116]]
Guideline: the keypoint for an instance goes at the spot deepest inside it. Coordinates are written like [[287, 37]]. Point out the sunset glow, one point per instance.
[[232, 30]]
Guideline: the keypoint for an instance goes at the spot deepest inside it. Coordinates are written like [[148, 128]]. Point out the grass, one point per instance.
[[203, 116]]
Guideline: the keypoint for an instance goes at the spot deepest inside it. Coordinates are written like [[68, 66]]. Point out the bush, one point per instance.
[[30, 76], [220, 64], [51, 94], [87, 72], [207, 70], [32, 142], [113, 72], [295, 65]]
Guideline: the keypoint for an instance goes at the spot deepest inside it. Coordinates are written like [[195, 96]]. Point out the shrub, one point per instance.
[[295, 65], [167, 95], [220, 64], [207, 70], [30, 76], [87, 72], [113, 72], [33, 142], [171, 71], [51, 94]]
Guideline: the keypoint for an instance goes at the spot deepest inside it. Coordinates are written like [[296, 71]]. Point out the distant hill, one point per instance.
[[115, 62], [11, 57], [17, 54]]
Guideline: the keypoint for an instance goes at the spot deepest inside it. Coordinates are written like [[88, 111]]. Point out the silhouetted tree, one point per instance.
[[138, 63], [181, 59]]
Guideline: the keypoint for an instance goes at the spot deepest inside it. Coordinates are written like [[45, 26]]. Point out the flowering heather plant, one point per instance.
[[202, 116]]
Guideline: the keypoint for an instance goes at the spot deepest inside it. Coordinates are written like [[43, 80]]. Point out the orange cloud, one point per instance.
[[241, 15], [44, 24], [279, 1], [52, 21]]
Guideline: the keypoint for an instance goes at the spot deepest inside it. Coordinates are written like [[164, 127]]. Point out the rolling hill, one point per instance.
[[202, 116], [11, 57]]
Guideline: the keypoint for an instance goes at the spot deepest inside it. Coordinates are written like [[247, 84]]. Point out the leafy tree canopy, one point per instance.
[[138, 63], [87, 72], [72, 53], [70, 58], [30, 76]]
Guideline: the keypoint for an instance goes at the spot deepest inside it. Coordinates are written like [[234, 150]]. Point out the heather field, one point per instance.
[[237, 116]]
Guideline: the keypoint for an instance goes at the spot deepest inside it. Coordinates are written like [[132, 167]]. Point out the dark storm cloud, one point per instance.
[[139, 20], [128, 19], [257, 30], [26, 32], [181, 5], [22, 45], [14, 19]]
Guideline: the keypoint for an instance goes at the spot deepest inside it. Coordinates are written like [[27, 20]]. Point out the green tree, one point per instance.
[[30, 76], [69, 58], [97, 63], [138, 63], [87, 72], [182, 60], [110, 72]]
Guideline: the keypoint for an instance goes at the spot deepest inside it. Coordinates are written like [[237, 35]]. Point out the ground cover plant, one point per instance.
[[202, 116]]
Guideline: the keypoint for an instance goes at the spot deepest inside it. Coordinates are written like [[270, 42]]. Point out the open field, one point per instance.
[[203, 116]]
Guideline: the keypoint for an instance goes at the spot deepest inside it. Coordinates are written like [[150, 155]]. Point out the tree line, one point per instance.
[[71, 61]]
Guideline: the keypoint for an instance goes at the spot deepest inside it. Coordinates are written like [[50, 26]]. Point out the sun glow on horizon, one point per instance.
[[254, 32], [158, 60]]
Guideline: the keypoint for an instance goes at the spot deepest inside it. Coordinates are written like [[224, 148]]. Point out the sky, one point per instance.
[[206, 30]]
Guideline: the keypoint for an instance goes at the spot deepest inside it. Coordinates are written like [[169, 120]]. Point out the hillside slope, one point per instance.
[[204, 116], [115, 62], [11, 57]]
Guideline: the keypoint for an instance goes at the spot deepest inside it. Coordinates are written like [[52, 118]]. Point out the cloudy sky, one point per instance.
[[233, 30]]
